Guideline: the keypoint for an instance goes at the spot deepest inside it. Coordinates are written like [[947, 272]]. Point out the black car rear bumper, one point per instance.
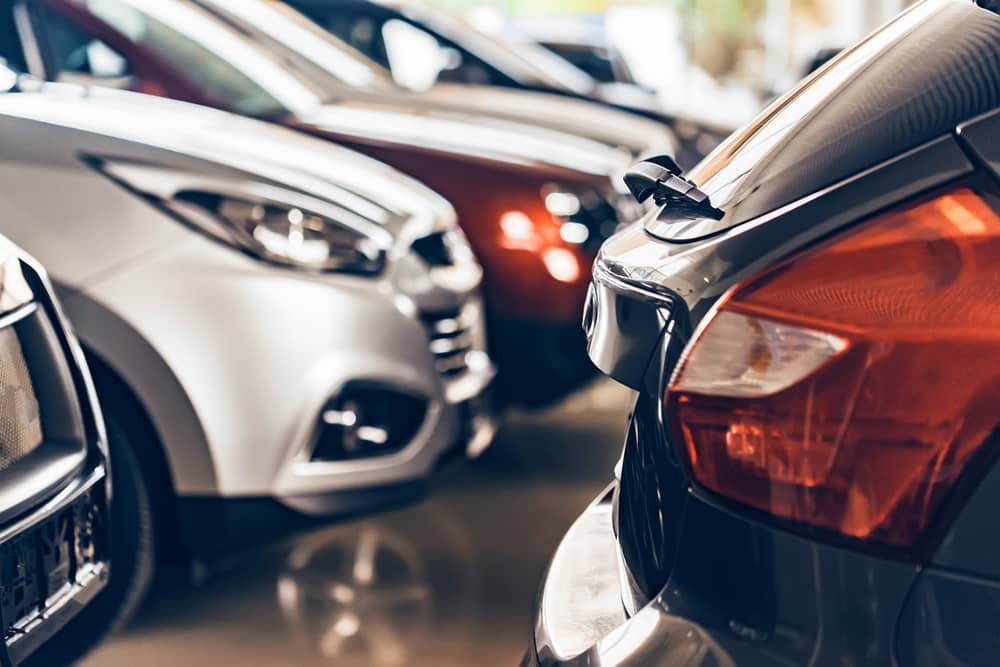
[[581, 620], [740, 592]]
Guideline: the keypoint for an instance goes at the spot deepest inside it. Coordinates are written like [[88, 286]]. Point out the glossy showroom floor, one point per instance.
[[450, 581]]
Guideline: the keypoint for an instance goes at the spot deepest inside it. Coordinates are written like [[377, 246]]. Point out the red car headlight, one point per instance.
[[849, 387]]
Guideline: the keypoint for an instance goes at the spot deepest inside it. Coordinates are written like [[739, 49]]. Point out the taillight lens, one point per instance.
[[849, 387]]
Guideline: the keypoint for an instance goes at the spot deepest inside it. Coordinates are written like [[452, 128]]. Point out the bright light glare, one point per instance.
[[574, 232], [517, 226], [562, 264], [562, 204], [311, 252]]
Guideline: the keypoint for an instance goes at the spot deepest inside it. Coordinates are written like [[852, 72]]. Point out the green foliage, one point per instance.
[[722, 18], [525, 7]]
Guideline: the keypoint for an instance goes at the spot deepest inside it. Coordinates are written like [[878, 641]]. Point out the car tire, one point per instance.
[[133, 537], [133, 555]]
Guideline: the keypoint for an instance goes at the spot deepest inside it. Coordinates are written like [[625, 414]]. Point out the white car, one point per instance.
[[278, 328]]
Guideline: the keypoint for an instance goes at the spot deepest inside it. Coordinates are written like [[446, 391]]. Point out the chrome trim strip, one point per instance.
[[447, 326], [445, 346], [29, 40], [60, 609], [631, 287], [57, 503]]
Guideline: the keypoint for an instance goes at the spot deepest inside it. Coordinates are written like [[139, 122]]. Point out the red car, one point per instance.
[[535, 204]]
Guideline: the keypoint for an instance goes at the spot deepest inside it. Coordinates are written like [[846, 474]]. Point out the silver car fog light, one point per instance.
[[366, 421]]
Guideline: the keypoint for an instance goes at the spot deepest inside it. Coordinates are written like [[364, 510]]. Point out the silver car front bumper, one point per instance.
[[235, 360]]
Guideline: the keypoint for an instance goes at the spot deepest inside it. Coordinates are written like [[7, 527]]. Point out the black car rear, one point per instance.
[[53, 471], [837, 517]]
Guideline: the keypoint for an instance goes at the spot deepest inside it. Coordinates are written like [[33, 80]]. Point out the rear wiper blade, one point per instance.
[[662, 179]]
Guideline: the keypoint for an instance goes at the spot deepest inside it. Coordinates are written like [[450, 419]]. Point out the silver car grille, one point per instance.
[[451, 340], [20, 420]]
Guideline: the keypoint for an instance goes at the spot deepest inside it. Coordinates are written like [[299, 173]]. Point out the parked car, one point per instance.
[[54, 476], [424, 47], [336, 66], [534, 204], [281, 331], [810, 472]]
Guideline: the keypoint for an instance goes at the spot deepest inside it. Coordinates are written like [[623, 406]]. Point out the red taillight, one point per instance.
[[848, 388]]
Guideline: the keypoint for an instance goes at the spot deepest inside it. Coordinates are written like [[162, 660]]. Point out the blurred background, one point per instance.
[[716, 60]]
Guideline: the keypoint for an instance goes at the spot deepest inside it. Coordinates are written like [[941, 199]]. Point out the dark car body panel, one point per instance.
[[752, 589], [950, 619], [982, 136]]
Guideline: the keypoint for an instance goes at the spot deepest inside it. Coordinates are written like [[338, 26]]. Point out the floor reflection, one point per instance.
[[449, 581], [366, 593]]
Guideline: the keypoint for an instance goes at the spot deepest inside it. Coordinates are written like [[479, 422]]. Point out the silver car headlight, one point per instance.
[[272, 223]]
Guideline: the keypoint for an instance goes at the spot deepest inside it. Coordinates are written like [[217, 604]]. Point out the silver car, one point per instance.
[[278, 328]]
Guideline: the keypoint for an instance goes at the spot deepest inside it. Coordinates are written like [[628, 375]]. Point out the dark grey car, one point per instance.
[[54, 478], [812, 322]]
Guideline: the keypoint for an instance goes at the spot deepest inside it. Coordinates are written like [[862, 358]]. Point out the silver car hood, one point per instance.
[[384, 118], [108, 123]]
